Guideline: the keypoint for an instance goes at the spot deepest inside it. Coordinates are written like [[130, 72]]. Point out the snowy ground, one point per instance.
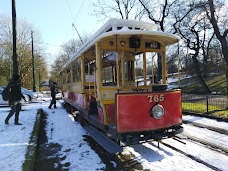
[[62, 129]]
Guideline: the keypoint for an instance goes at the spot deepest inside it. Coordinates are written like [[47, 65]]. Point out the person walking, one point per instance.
[[14, 87], [53, 95]]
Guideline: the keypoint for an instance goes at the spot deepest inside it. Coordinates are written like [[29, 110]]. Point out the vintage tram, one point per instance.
[[101, 81]]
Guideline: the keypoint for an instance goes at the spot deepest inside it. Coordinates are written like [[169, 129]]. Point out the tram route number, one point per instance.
[[156, 98]]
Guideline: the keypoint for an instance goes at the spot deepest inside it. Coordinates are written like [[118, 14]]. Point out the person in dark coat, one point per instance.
[[53, 94], [15, 95]]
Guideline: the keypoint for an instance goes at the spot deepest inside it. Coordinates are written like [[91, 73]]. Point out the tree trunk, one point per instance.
[[225, 54], [220, 37], [202, 81], [226, 70], [205, 66]]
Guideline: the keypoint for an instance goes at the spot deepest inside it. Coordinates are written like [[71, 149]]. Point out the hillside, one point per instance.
[[199, 102], [191, 84]]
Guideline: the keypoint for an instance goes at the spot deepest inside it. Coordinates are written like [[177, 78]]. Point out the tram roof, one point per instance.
[[125, 27]]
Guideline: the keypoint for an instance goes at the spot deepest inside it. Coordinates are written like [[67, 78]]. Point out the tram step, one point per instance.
[[104, 141]]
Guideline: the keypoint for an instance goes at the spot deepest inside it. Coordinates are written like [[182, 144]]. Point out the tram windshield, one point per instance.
[[118, 62], [133, 69]]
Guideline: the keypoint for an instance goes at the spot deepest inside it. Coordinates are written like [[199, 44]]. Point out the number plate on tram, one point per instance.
[[156, 98]]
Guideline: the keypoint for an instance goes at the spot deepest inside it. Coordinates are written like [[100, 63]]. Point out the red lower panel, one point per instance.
[[75, 97], [110, 111], [133, 111], [100, 115]]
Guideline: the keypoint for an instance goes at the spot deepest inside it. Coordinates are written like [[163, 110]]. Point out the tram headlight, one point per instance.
[[157, 111]]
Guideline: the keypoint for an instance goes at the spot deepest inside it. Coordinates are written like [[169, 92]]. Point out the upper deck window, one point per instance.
[[123, 27], [119, 28], [110, 29]]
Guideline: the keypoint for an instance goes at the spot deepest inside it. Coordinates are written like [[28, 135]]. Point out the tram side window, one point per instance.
[[68, 74], [64, 77], [89, 71], [108, 77], [77, 71]]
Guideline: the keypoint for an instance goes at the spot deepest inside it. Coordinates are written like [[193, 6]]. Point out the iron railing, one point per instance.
[[204, 103]]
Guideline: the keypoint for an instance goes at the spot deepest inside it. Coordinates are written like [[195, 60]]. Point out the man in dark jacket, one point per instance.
[[15, 95], [53, 94]]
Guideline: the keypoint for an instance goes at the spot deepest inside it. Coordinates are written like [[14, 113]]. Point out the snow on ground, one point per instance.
[[14, 139], [205, 121], [207, 135], [69, 134], [211, 157], [62, 129], [155, 159]]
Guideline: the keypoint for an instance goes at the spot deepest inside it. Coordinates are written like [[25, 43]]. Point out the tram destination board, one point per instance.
[[152, 45]]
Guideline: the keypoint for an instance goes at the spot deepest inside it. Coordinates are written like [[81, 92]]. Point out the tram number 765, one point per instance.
[[156, 98]]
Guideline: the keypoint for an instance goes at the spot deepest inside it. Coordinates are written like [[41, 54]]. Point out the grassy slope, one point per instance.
[[216, 82]]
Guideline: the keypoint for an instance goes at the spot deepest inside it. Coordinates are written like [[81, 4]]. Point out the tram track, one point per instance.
[[197, 139], [190, 156], [186, 148], [212, 128], [210, 145], [184, 138]]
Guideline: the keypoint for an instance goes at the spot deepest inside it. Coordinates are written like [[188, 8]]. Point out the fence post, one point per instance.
[[207, 105]]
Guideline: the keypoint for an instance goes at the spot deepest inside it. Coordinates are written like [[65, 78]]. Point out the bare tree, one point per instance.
[[159, 12], [190, 24], [23, 50], [186, 18], [220, 28], [125, 9], [67, 51], [206, 46], [71, 47]]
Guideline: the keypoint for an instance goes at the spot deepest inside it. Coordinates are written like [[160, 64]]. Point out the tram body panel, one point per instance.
[[75, 98], [110, 111], [133, 111]]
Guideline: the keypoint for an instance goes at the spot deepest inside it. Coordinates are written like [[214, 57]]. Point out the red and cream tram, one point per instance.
[[101, 81]]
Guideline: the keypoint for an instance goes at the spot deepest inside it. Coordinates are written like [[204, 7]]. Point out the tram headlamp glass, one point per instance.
[[157, 111]]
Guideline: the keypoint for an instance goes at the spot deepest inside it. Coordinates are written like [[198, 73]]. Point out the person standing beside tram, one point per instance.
[[53, 95]]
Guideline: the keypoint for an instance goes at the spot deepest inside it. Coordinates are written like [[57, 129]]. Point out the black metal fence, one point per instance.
[[204, 103]]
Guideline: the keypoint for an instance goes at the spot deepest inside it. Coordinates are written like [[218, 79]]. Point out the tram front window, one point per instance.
[[112, 69]]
